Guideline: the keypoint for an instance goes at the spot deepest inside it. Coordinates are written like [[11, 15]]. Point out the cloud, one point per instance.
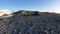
[[55, 11], [5, 11]]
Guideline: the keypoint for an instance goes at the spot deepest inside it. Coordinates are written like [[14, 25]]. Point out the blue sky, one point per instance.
[[39, 5]]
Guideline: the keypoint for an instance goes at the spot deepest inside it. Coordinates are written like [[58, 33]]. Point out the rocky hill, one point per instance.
[[30, 22]]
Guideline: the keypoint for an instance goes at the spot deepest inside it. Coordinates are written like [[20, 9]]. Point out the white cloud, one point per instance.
[[56, 11], [5, 11]]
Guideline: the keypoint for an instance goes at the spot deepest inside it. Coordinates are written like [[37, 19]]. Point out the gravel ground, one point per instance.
[[19, 24]]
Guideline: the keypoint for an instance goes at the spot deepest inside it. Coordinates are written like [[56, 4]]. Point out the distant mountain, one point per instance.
[[31, 22]]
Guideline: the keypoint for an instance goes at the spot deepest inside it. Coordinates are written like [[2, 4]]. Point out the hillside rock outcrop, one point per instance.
[[38, 24]]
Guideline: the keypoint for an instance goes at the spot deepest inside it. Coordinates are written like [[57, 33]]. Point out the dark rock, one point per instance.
[[32, 24]]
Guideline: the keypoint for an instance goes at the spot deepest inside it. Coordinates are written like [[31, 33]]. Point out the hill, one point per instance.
[[31, 22]]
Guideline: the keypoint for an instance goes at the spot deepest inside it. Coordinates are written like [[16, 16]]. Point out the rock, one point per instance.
[[20, 24]]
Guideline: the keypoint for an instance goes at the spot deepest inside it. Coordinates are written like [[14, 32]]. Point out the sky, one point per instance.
[[38, 5]]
